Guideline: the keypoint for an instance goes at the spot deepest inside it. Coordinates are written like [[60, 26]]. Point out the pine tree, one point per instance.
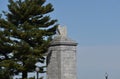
[[26, 33]]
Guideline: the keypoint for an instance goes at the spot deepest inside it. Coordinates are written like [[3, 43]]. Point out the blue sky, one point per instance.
[[90, 22], [95, 25]]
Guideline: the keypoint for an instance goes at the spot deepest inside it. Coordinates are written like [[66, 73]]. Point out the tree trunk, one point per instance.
[[24, 75]]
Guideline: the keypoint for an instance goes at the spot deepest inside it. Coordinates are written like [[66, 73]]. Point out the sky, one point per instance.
[[95, 26]]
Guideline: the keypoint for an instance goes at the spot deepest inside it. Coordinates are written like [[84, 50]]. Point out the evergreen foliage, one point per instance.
[[25, 35]]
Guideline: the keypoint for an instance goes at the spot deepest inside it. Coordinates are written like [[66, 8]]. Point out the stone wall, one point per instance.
[[61, 59]]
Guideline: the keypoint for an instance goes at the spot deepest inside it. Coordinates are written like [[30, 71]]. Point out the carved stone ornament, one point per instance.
[[62, 31]]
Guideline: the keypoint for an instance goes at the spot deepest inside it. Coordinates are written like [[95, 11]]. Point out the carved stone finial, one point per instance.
[[62, 31]]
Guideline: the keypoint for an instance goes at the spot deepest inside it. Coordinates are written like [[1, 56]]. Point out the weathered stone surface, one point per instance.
[[61, 60], [62, 40]]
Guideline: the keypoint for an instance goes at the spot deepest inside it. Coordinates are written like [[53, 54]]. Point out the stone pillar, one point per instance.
[[61, 59]]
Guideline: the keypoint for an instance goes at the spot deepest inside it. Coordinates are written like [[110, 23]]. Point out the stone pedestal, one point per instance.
[[61, 59]]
